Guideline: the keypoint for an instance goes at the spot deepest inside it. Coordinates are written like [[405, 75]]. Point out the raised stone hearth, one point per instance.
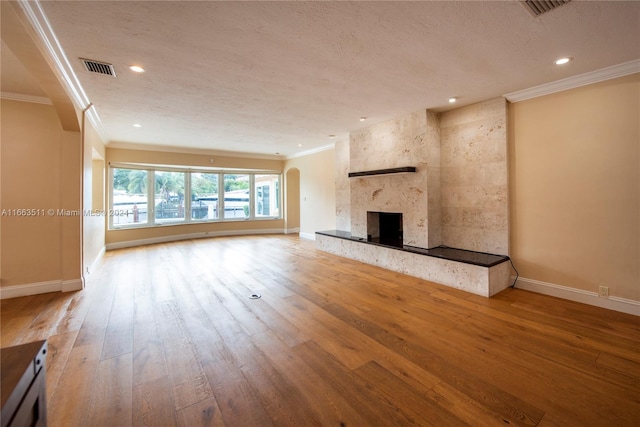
[[476, 272]]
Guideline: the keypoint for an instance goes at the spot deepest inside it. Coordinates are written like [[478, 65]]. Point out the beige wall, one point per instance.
[[97, 184], [40, 170], [317, 191], [94, 171], [121, 236], [292, 199], [575, 187]]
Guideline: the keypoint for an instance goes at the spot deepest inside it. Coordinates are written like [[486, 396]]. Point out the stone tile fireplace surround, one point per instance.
[[456, 197]]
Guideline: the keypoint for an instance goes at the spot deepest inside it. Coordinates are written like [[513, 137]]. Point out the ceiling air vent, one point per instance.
[[538, 7], [98, 67]]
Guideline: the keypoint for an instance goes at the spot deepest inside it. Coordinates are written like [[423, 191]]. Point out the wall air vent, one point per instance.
[[98, 67], [538, 7]]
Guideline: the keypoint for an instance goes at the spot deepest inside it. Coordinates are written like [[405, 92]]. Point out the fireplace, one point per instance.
[[385, 228]]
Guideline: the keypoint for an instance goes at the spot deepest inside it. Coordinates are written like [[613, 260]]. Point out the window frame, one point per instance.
[[224, 198], [217, 204], [151, 195], [168, 221]]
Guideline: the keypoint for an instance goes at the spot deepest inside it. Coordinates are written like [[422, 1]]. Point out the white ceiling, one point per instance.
[[264, 77]]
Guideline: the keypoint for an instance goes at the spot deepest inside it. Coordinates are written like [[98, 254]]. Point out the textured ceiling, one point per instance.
[[264, 77]]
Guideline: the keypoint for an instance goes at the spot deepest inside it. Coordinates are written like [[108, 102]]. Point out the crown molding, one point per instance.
[[187, 150], [58, 61], [312, 151], [601, 75], [26, 98]]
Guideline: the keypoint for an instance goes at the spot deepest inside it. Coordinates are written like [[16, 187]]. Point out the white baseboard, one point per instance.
[[72, 285], [27, 289], [578, 295], [178, 237], [309, 236], [97, 260]]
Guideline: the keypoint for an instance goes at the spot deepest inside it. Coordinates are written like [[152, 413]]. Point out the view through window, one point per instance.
[[236, 196], [267, 199], [204, 196], [169, 196], [129, 197], [147, 197]]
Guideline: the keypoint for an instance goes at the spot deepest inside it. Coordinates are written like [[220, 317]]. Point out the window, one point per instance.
[[169, 196], [236, 196], [129, 202], [204, 196], [267, 196], [146, 197]]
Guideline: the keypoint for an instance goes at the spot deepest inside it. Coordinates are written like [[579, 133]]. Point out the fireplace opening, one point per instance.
[[385, 228]]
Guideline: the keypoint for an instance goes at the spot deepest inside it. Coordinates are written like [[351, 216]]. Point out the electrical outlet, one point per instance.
[[603, 291]]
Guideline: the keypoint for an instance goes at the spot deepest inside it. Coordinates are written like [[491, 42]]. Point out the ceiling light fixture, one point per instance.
[[452, 100], [562, 61], [362, 119], [299, 145], [332, 136], [136, 69], [137, 125]]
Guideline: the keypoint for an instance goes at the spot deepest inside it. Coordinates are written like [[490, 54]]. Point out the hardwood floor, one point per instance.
[[167, 335]]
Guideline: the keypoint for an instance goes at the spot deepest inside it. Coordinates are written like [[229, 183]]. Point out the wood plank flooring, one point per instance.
[[166, 335]]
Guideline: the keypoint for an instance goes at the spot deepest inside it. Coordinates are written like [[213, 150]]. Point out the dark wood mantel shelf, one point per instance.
[[403, 169]]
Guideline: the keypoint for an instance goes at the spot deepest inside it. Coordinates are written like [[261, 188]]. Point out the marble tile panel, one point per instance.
[[494, 174], [461, 115], [454, 176], [393, 143], [434, 205], [491, 241], [475, 196], [493, 107], [474, 177], [433, 139], [343, 186], [479, 111], [474, 143], [474, 218]]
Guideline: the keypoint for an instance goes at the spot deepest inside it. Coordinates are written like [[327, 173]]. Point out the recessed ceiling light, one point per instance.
[[137, 125], [136, 69], [562, 61], [452, 100], [332, 136], [299, 145], [362, 119]]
